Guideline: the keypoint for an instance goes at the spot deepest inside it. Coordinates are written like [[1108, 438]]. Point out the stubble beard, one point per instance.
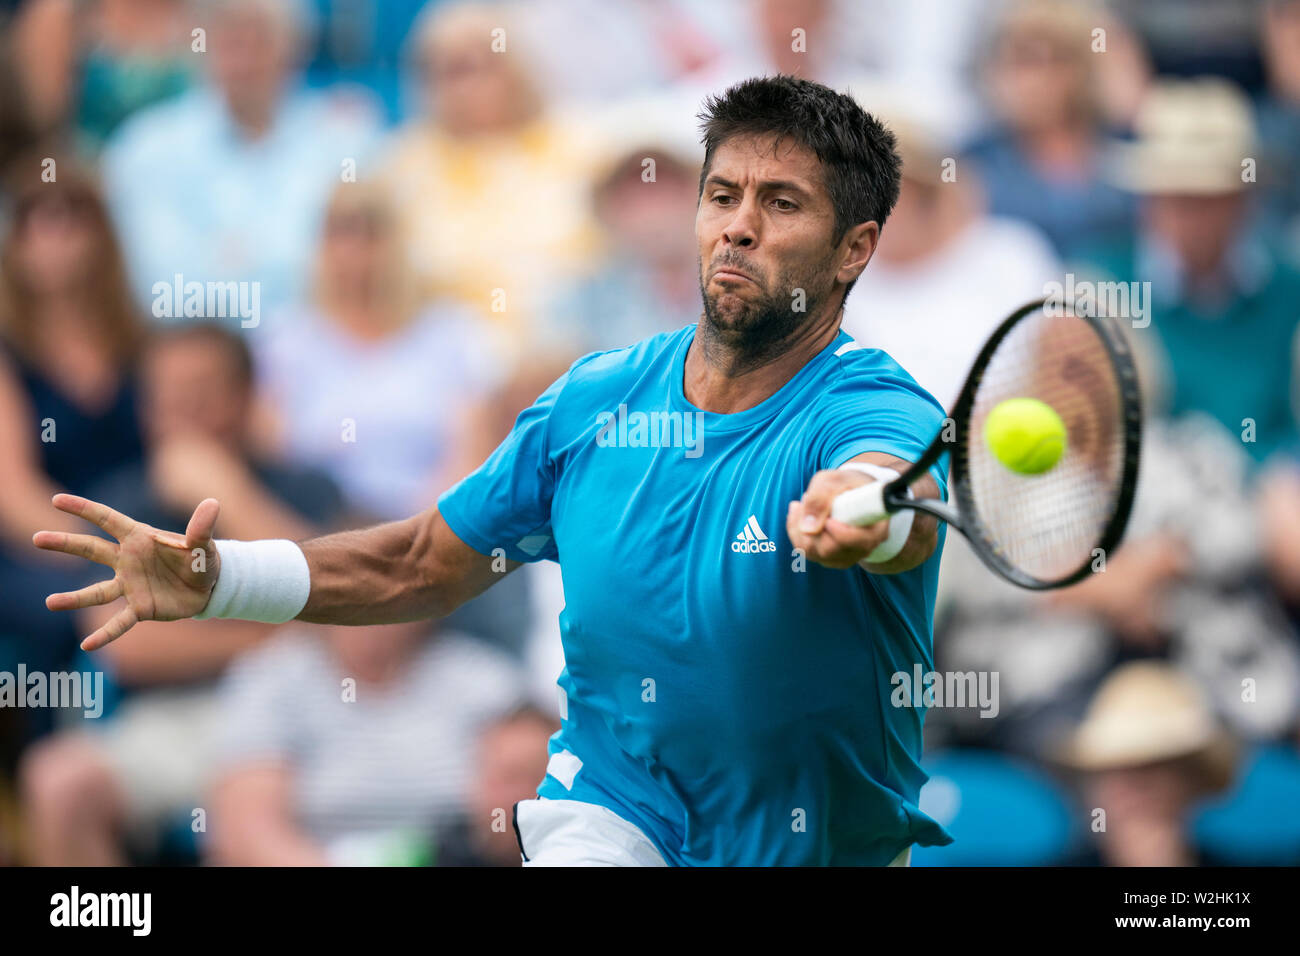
[[751, 332]]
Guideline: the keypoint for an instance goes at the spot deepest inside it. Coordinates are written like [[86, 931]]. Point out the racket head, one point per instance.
[[1045, 531]]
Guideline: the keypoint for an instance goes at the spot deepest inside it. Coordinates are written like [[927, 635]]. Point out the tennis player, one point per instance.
[[729, 648]]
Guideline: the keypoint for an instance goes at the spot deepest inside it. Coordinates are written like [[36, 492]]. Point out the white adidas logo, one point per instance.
[[752, 540]]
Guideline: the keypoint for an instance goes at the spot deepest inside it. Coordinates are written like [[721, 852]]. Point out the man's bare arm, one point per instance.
[[401, 571]]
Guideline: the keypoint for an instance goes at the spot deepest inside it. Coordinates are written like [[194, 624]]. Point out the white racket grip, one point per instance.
[[862, 505]]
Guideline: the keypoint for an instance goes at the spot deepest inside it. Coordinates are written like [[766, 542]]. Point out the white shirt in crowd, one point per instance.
[[382, 418], [932, 315]]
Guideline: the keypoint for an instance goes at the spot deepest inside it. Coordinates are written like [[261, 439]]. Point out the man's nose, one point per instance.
[[742, 229]]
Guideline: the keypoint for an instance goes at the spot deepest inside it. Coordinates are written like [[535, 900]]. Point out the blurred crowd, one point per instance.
[[311, 257]]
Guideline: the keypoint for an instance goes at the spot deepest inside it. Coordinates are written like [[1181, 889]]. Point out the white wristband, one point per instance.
[[264, 581], [900, 522]]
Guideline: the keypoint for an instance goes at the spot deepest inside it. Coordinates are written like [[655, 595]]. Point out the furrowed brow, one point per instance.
[[767, 185]]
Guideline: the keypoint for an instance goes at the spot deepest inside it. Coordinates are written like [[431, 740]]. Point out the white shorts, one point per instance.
[[573, 833]]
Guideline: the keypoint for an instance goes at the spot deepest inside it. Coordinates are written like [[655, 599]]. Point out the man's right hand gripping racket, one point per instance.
[[1042, 530]]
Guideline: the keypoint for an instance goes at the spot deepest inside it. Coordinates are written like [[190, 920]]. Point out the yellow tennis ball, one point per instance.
[[1026, 435]]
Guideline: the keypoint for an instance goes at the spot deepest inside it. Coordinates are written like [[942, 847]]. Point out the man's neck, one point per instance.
[[253, 119], [724, 380]]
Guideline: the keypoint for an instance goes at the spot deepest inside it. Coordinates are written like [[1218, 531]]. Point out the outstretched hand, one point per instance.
[[164, 576]]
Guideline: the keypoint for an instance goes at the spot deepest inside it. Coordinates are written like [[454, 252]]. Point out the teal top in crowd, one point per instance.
[[1231, 354]]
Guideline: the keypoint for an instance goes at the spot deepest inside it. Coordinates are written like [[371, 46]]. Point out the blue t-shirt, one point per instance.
[[726, 696]]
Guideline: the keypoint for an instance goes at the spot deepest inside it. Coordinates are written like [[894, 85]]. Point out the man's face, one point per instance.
[[512, 758], [764, 227], [251, 57], [1035, 80], [1199, 229], [191, 388], [473, 89], [649, 220]]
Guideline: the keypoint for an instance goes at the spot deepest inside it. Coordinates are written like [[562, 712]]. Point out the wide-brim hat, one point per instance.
[[1193, 137], [1147, 712]]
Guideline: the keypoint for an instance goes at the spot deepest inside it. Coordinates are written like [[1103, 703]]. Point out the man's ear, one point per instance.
[[856, 249]]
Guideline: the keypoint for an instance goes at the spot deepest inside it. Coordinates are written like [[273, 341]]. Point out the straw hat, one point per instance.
[[634, 128], [1192, 136], [1147, 712]]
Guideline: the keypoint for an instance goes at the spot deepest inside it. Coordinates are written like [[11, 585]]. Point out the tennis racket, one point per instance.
[[1046, 530]]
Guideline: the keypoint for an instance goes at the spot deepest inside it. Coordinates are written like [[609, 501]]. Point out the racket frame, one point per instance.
[[965, 516]]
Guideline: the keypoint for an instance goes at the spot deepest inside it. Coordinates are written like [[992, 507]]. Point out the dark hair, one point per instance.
[[106, 292], [859, 158], [214, 335]]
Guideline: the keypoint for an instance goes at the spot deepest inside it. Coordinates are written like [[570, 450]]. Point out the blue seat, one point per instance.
[[1000, 810], [1256, 823]]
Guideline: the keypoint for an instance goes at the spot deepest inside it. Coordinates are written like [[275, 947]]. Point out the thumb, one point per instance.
[[198, 533], [816, 503]]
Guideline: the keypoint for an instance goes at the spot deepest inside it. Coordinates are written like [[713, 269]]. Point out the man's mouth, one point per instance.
[[731, 275]]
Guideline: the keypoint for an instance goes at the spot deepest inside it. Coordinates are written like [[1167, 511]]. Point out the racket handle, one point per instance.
[[862, 505]]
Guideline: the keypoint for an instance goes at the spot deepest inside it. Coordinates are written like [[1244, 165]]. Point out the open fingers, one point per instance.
[[86, 546], [114, 522], [101, 592], [117, 625]]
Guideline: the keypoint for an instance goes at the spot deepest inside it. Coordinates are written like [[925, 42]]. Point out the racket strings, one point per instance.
[[1050, 524]]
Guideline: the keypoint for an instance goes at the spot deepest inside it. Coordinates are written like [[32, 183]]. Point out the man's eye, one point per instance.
[[784, 205], [723, 200]]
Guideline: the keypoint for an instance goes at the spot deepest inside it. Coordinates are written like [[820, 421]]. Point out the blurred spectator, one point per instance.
[[97, 62], [228, 182], [649, 283], [70, 338], [40, 40], [491, 187], [360, 43], [1279, 523], [945, 273], [589, 50], [1221, 306], [1042, 160], [808, 38], [511, 760], [393, 398], [196, 386], [137, 52], [1197, 37], [19, 130], [843, 43], [364, 380], [1150, 747], [1278, 115], [352, 746], [68, 341], [1186, 585], [94, 796]]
